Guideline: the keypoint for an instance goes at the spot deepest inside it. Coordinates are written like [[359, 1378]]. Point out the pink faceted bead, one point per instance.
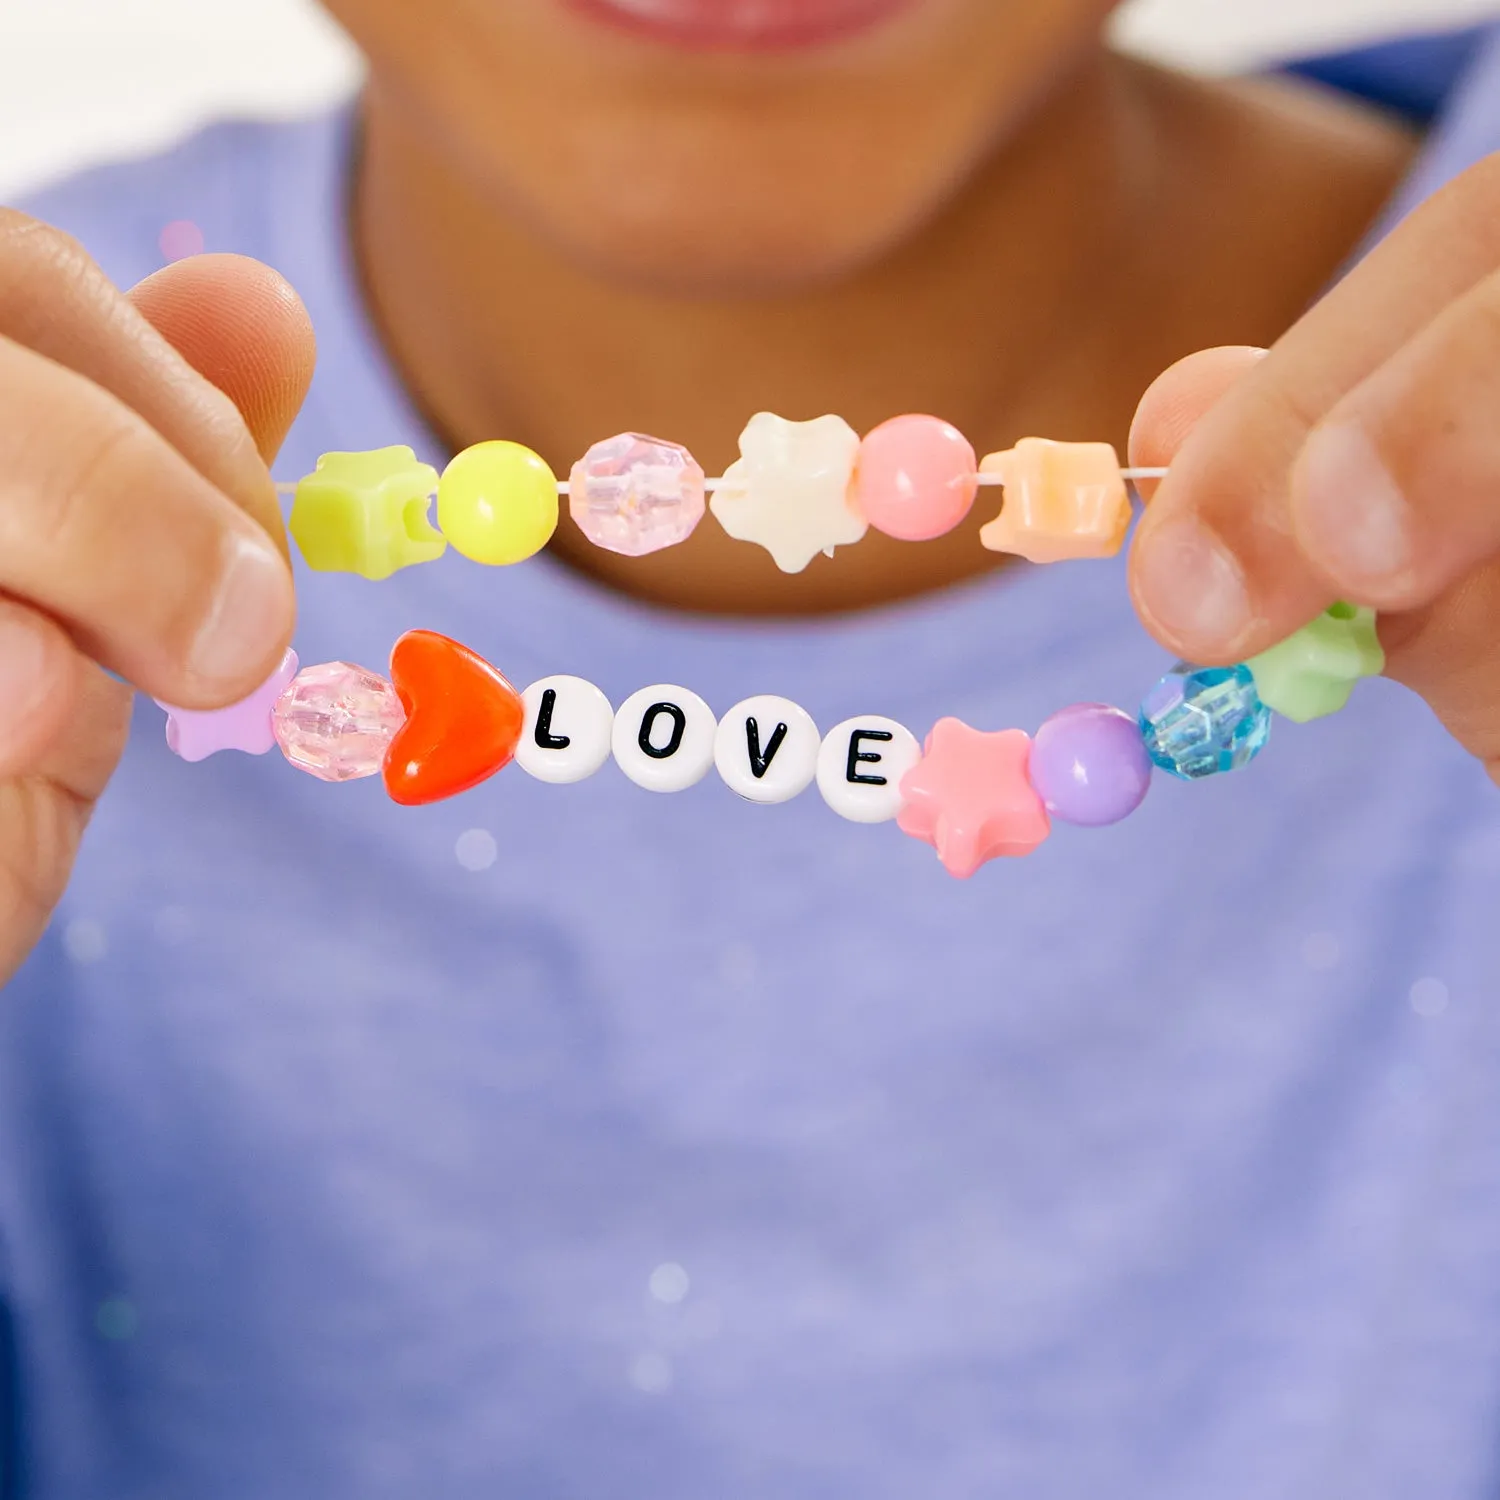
[[635, 494], [336, 720], [917, 478]]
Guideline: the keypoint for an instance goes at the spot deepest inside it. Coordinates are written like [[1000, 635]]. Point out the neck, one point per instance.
[[1037, 301]]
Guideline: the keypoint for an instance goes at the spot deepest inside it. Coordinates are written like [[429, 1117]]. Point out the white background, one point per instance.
[[81, 80]]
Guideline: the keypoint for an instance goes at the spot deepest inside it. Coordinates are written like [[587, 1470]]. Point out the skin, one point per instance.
[[1357, 460], [978, 211], [849, 229]]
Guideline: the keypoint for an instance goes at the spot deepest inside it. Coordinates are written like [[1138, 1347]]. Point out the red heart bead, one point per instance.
[[463, 720]]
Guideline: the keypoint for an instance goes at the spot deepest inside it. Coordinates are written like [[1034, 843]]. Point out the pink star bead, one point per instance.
[[970, 797], [246, 725]]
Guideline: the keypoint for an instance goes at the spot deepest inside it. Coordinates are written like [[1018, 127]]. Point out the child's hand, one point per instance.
[[1358, 460], [138, 522]]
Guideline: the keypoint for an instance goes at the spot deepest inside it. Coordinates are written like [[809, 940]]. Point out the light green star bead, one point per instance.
[[1311, 674], [366, 513]]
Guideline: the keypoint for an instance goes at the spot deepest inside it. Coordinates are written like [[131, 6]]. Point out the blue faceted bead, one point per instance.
[[1200, 721]]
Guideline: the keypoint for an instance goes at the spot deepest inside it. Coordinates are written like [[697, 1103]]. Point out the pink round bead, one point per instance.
[[633, 494], [336, 720], [917, 478]]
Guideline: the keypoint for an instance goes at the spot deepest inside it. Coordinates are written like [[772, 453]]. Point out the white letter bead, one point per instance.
[[861, 765], [664, 738], [767, 749], [567, 732]]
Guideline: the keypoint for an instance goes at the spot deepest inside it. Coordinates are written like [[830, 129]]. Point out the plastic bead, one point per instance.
[[195, 734], [766, 749], [463, 719], [566, 736], [1062, 500], [1090, 766], [497, 503], [970, 797], [790, 490], [1204, 721], [633, 494], [366, 513], [860, 766], [663, 738], [917, 478], [1311, 674], [336, 721]]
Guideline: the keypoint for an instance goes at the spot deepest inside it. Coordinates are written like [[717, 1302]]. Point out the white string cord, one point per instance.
[[1131, 476]]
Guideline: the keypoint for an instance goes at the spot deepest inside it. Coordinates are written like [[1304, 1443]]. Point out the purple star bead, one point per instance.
[[194, 734]]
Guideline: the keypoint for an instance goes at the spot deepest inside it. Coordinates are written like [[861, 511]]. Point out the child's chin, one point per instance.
[[747, 215], [733, 255]]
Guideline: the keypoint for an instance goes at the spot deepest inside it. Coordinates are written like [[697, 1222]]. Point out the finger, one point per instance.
[[1179, 399], [242, 327], [1397, 493], [154, 571], [41, 679], [55, 300], [1449, 653], [1215, 569], [46, 804]]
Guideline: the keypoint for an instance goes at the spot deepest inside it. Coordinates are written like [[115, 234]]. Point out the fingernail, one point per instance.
[[1193, 588], [248, 615], [1348, 512]]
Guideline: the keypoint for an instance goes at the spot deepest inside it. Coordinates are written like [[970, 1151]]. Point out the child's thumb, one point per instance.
[[242, 327], [1181, 397]]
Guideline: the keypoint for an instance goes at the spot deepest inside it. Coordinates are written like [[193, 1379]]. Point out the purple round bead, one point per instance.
[[1090, 766]]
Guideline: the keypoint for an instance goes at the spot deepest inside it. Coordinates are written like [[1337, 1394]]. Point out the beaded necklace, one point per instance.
[[445, 719]]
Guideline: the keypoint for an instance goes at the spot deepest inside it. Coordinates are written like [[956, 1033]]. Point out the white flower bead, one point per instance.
[[860, 767], [664, 738], [566, 736], [790, 490], [767, 749]]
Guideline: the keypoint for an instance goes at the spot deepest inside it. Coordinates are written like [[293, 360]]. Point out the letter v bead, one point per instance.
[[767, 769], [760, 760]]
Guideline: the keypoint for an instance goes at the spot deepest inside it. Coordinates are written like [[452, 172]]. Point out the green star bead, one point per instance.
[[1311, 674], [366, 513]]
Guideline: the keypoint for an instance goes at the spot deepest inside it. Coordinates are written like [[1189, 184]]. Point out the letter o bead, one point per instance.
[[663, 738], [568, 729], [860, 767], [766, 749]]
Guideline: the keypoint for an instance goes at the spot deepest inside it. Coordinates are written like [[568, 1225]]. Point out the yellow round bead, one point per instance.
[[497, 503]]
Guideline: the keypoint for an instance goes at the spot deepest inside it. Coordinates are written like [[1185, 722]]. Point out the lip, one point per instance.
[[742, 25]]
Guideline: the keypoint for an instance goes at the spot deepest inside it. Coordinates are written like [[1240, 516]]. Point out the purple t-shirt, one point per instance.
[[567, 1143]]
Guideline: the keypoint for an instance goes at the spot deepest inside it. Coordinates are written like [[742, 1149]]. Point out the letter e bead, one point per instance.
[[860, 767]]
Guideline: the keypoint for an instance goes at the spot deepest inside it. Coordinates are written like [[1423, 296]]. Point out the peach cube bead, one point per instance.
[[1062, 500]]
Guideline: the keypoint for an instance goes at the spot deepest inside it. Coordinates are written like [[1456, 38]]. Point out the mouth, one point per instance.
[[743, 25]]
